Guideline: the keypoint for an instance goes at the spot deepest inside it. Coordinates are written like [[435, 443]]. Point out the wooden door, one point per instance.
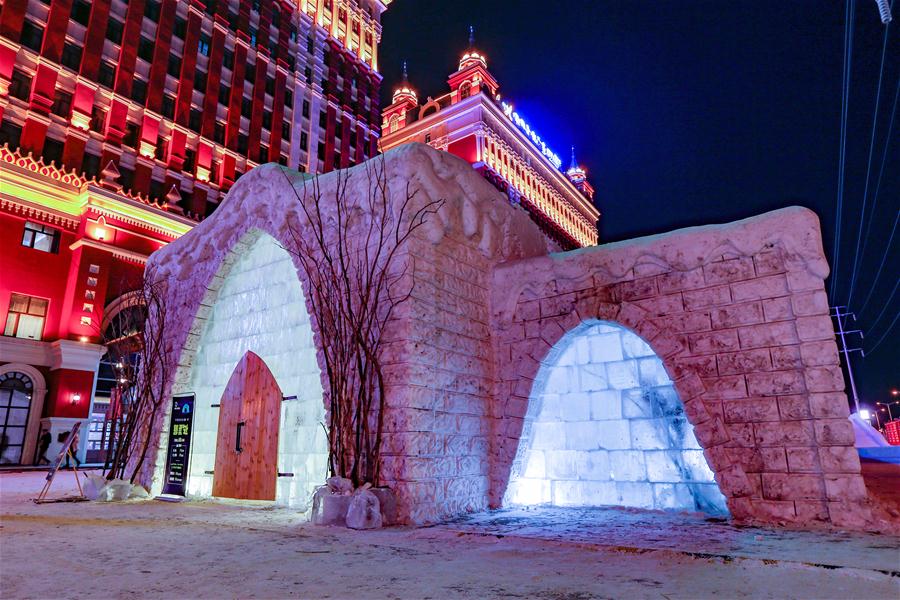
[[247, 443]]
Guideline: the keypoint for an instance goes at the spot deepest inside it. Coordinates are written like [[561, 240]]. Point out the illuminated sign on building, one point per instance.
[[523, 125]]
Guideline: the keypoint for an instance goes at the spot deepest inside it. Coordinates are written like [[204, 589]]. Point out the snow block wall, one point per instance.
[[739, 317], [735, 315], [605, 427], [260, 308]]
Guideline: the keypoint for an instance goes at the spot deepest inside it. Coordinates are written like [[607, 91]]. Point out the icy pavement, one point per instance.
[[155, 549], [688, 533]]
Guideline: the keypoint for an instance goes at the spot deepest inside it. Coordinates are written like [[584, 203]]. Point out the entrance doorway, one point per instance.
[[247, 443], [15, 406]]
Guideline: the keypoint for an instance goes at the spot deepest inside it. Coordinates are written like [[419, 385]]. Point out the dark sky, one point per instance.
[[689, 112]]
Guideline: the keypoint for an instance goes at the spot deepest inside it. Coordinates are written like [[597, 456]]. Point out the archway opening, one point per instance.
[[605, 427], [260, 308]]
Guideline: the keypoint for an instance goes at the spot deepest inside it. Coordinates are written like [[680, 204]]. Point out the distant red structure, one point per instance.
[[892, 433]]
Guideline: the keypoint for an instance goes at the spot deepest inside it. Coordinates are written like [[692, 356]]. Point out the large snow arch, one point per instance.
[[605, 426], [260, 307]]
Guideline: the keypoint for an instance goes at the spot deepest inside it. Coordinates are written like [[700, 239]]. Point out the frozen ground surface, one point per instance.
[[223, 550]]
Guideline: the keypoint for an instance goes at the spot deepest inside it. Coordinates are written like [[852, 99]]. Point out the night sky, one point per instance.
[[695, 112]]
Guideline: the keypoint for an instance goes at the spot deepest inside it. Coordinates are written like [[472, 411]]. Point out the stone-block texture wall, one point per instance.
[[737, 313], [438, 354], [739, 316]]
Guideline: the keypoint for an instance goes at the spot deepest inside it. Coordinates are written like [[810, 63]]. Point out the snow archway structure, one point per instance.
[[736, 317], [605, 427]]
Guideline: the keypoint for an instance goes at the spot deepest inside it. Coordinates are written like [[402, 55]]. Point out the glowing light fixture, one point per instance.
[[148, 150], [81, 121], [865, 414], [83, 338], [76, 398], [202, 174]]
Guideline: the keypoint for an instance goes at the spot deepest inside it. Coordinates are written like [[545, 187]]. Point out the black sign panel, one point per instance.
[[180, 429]]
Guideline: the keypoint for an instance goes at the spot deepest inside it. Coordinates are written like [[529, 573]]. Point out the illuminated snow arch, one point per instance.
[[260, 307], [605, 427]]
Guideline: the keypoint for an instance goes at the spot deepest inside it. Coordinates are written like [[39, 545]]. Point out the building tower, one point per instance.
[[471, 122], [578, 176]]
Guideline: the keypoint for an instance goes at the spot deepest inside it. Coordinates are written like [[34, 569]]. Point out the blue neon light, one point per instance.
[[527, 130]]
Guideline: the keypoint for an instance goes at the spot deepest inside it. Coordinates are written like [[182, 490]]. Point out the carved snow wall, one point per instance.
[[739, 316], [736, 313]]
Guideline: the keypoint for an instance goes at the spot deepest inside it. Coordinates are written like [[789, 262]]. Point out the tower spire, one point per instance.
[[405, 74], [574, 164], [471, 36]]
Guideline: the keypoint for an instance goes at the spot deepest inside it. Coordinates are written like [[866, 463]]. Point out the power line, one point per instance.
[[886, 304], [886, 333], [845, 97], [862, 212], [887, 249]]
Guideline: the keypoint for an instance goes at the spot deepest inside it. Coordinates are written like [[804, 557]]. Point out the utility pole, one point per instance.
[[840, 314]]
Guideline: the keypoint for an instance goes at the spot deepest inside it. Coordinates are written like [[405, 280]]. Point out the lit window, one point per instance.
[[94, 269], [88, 307], [86, 321], [92, 281], [26, 317], [40, 237], [89, 294]]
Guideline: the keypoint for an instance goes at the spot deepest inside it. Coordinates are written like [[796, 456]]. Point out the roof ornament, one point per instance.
[[405, 74], [172, 200], [110, 175], [574, 164], [471, 36]]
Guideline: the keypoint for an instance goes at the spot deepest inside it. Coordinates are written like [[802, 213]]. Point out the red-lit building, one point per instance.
[[472, 122], [121, 124]]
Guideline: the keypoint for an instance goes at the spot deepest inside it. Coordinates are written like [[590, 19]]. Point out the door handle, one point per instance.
[[237, 441]]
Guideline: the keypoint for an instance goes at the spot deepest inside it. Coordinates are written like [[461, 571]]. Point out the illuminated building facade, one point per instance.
[[133, 119], [473, 123]]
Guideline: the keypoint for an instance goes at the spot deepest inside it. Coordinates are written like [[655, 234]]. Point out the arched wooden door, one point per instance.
[[247, 444]]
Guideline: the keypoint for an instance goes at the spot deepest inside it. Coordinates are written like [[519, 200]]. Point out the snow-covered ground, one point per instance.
[[228, 550]]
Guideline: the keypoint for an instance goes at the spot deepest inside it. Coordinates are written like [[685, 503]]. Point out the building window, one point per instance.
[[194, 120], [107, 74], [219, 133], [162, 148], [242, 144], [267, 120], [90, 165], [173, 67], [307, 73], [323, 119], [139, 91], [26, 317], [180, 28], [71, 57], [224, 95], [81, 12], [203, 44], [151, 10], [321, 151], [41, 237], [130, 138], [98, 119], [285, 130], [428, 138], [246, 107], [228, 60], [168, 106], [145, 49], [20, 86], [306, 108], [200, 81], [189, 157], [53, 151], [270, 86], [288, 98], [263, 154], [304, 141], [32, 35], [10, 134], [249, 72], [114, 31]]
